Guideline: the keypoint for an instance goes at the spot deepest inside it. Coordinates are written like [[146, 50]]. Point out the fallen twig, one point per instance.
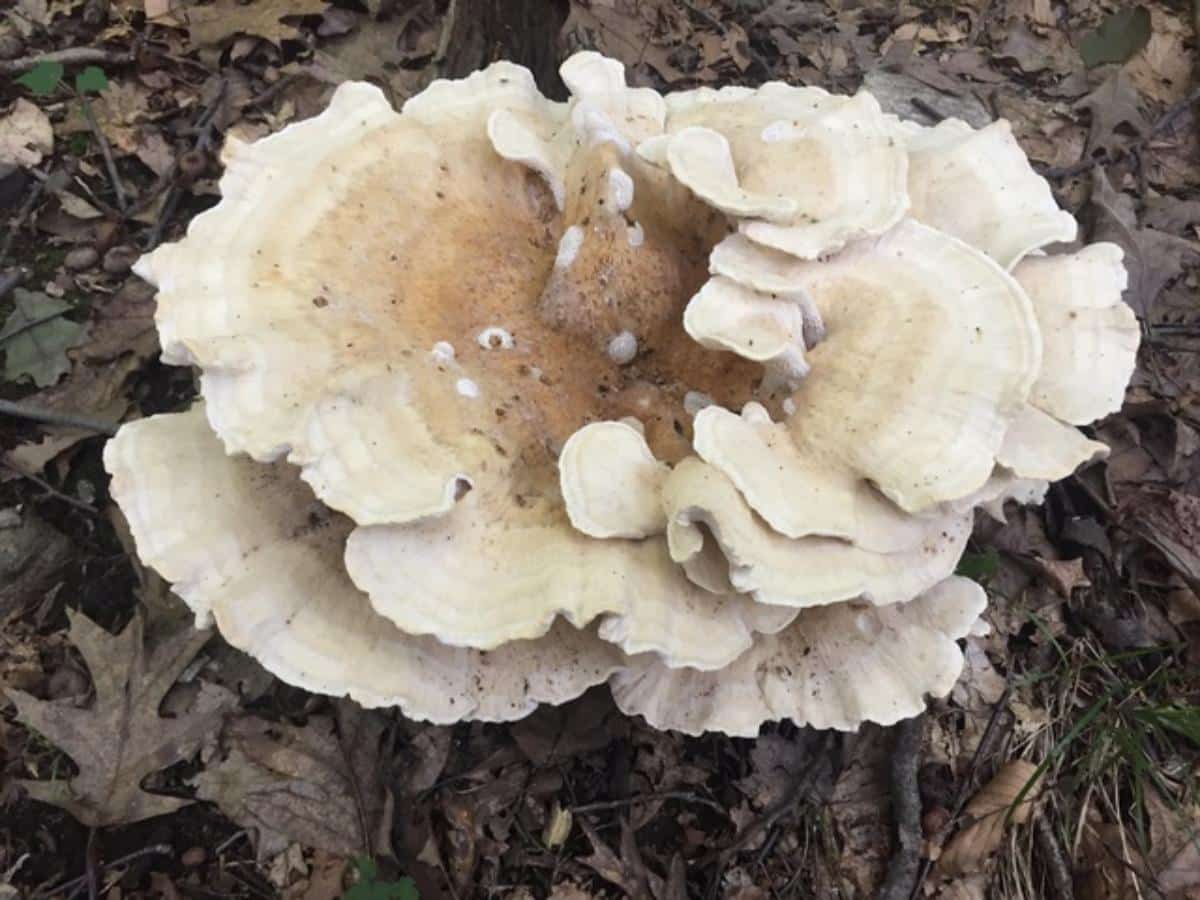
[[15, 224], [52, 417], [987, 744], [646, 798], [110, 164], [796, 792], [52, 490], [120, 861], [271, 92], [203, 142], [72, 56], [906, 806], [31, 324], [1055, 861]]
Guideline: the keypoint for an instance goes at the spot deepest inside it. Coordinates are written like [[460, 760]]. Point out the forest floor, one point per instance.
[[1078, 716]]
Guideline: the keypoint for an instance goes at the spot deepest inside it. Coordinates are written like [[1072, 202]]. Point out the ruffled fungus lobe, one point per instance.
[[695, 395]]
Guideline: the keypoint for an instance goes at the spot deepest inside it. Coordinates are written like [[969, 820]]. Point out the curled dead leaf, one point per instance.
[[989, 812]]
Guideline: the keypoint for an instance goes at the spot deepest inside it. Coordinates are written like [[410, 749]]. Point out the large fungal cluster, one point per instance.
[[695, 395]]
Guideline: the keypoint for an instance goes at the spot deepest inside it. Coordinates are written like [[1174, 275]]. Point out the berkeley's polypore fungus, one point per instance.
[[504, 398]]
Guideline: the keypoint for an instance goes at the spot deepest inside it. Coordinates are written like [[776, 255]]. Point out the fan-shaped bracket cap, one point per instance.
[[979, 186], [1090, 334], [611, 482], [833, 667], [701, 159], [725, 315], [246, 543]]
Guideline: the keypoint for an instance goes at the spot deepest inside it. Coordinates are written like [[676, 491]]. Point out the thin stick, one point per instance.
[[93, 886], [1056, 863], [225, 844], [443, 44], [646, 798], [51, 417], [204, 126], [30, 325], [52, 490], [22, 214], [129, 857], [906, 803], [72, 56], [106, 151]]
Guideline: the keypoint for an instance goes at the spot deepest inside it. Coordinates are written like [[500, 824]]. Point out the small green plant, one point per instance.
[[46, 77], [979, 567], [368, 888]]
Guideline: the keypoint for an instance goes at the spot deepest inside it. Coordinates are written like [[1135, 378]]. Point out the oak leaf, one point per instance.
[[214, 23], [318, 785], [121, 738]]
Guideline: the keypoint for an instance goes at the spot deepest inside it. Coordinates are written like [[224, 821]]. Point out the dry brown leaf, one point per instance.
[[973, 887], [909, 95], [122, 337], [1114, 105], [314, 784], [989, 812], [1170, 520], [1153, 258], [1162, 70], [1175, 847], [554, 733], [375, 50], [1110, 863], [155, 152], [1064, 575], [776, 762], [32, 458], [627, 871], [121, 738], [632, 31], [32, 554], [217, 22], [120, 111], [26, 136]]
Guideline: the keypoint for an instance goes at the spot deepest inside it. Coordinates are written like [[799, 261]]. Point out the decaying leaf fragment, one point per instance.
[[121, 738], [321, 784]]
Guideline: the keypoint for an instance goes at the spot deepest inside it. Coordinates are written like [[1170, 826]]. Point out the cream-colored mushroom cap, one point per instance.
[[248, 544], [800, 169], [834, 667], [1089, 334], [611, 482], [359, 360], [929, 350], [980, 187], [725, 315], [1039, 446], [701, 502]]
